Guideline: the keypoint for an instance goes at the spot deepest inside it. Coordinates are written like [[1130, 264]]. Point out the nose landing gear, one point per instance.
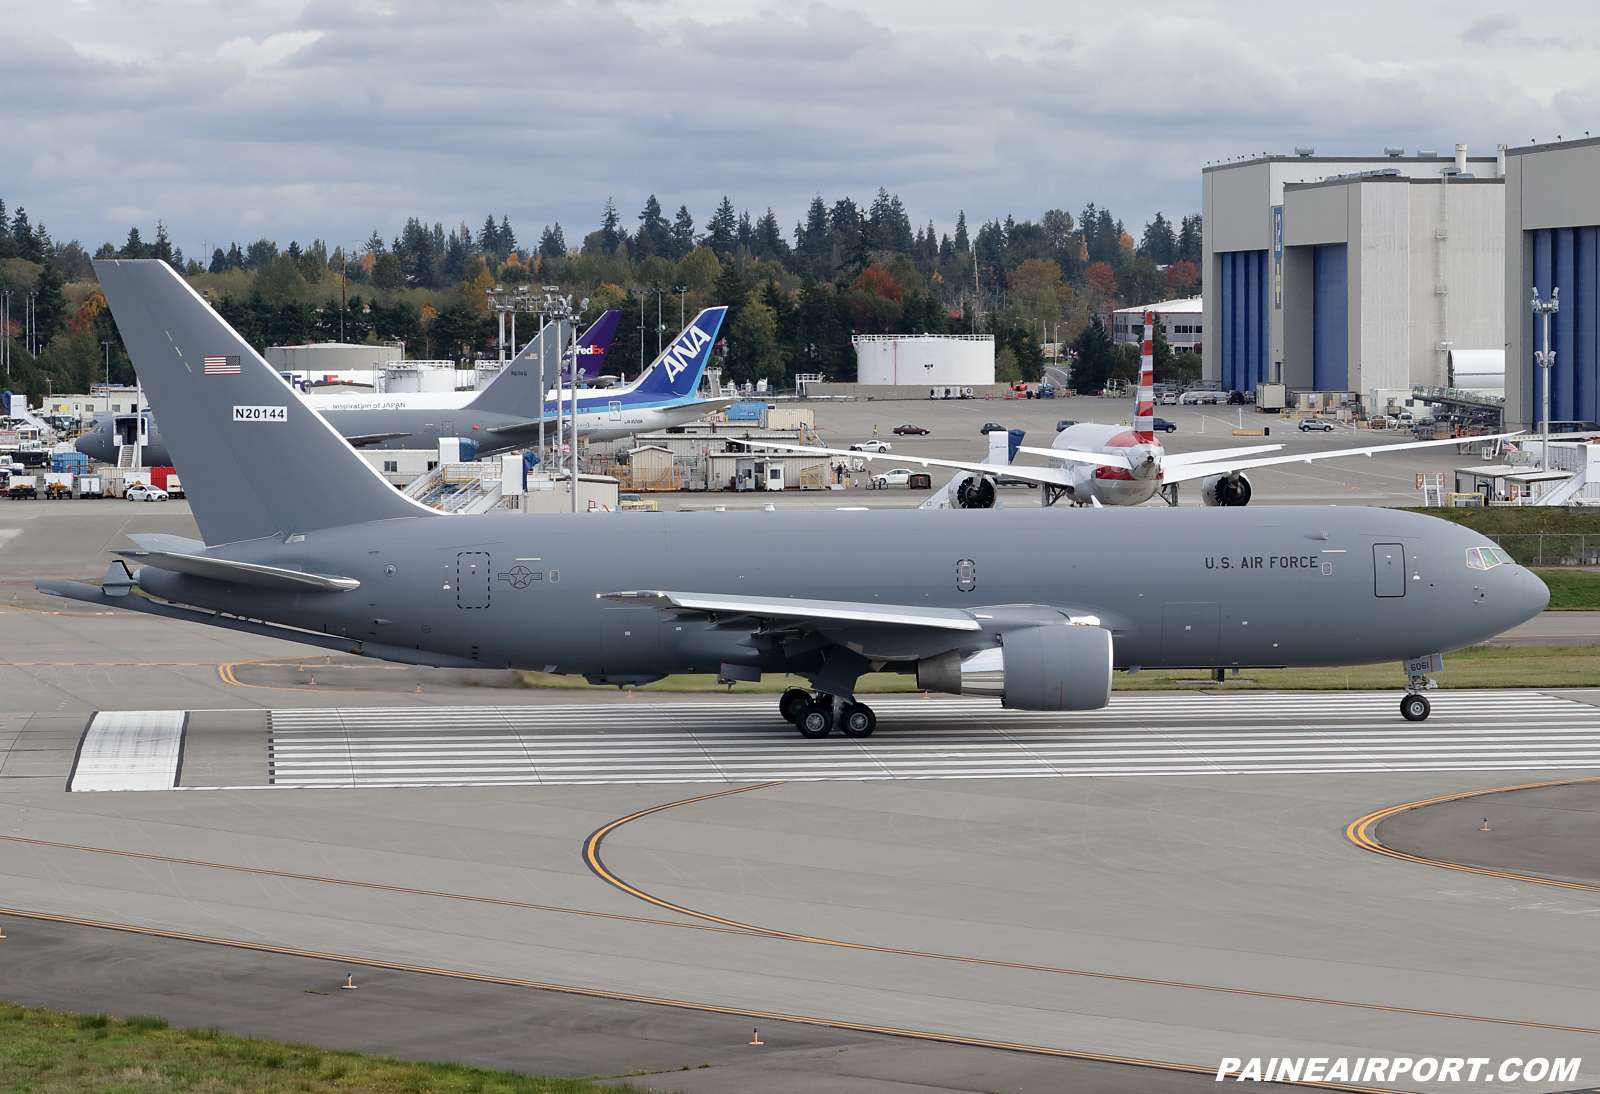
[[1414, 705], [815, 716]]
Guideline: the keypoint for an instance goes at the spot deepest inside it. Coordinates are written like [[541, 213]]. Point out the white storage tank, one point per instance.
[[961, 360], [420, 376]]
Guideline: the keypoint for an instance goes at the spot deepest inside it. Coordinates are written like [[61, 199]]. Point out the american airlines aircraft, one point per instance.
[[1097, 465], [303, 540]]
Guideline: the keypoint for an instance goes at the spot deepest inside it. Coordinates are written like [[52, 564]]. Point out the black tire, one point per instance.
[[816, 721], [858, 720], [792, 703], [1414, 708]]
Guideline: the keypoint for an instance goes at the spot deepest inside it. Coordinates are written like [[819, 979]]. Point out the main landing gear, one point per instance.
[[816, 715], [1414, 705]]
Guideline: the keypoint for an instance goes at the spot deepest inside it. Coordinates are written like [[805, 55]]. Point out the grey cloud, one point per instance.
[[1486, 30]]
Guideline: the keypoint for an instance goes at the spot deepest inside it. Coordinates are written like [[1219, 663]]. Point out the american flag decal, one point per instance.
[[222, 366]]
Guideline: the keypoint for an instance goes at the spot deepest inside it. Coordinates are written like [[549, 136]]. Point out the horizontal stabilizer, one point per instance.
[[239, 573], [374, 438], [782, 607]]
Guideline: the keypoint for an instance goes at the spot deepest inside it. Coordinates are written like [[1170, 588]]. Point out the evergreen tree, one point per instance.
[[162, 247], [724, 226], [235, 257], [611, 234], [134, 248], [508, 239], [769, 241], [457, 253], [745, 235], [811, 240], [259, 253], [654, 236], [682, 233], [1159, 243], [375, 244], [552, 244], [1092, 368], [50, 305], [962, 242], [1190, 242], [947, 250], [219, 261], [488, 237]]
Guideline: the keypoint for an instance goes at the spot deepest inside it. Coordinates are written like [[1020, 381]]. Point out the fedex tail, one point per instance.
[[590, 353]]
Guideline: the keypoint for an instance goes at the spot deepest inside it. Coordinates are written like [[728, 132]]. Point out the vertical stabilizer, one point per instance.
[[1144, 415], [676, 373], [256, 460], [515, 389], [590, 353]]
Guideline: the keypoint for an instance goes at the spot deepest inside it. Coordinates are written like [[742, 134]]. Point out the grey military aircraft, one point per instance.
[[302, 540]]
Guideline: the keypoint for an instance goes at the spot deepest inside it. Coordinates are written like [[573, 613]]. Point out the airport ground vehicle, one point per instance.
[[1320, 425], [908, 430], [57, 490], [140, 492], [1161, 425], [871, 446], [91, 486], [23, 486], [895, 476], [1065, 423], [1169, 399]]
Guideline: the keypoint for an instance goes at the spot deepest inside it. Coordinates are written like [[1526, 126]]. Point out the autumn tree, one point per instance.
[[875, 300]]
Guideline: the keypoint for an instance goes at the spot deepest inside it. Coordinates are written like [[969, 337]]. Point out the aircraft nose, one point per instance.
[[1532, 594]]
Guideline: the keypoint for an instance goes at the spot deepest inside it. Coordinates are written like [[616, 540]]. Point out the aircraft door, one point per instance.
[[1189, 635], [472, 579], [1389, 568], [615, 407]]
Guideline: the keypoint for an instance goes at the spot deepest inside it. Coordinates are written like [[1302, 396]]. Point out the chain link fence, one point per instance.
[[1550, 548]]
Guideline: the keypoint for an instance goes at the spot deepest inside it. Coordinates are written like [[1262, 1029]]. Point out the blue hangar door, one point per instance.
[[1330, 318]]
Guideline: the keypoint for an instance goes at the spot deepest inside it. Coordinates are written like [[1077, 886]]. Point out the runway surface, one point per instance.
[[928, 739]]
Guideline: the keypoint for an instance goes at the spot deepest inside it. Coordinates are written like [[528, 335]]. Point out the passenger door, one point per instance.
[[472, 579], [1389, 569]]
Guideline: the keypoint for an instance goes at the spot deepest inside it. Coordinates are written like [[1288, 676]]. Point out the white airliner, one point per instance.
[[1098, 465]]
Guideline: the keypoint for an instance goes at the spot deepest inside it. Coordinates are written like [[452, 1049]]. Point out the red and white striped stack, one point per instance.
[[1144, 417]]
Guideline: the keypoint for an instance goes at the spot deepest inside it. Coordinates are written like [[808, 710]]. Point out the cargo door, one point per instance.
[[1389, 568], [472, 579], [1189, 635]]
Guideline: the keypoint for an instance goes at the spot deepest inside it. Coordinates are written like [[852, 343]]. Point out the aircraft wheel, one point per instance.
[[1414, 708], [816, 720], [793, 702], [858, 720]]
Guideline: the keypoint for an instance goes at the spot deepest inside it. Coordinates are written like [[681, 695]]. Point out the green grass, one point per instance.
[[48, 1052], [1522, 519], [1572, 590], [1477, 667]]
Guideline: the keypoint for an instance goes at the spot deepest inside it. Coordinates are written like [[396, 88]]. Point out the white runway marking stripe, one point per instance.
[[129, 750], [738, 741]]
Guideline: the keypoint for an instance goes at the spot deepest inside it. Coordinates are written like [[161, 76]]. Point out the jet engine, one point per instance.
[[1225, 490], [976, 492], [1051, 667]]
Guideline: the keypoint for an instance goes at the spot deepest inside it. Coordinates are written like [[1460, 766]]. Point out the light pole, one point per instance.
[[5, 328], [1546, 359], [683, 296], [33, 325], [107, 345]]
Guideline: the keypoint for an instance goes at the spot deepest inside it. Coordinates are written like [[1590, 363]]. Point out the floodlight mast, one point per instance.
[[1546, 360]]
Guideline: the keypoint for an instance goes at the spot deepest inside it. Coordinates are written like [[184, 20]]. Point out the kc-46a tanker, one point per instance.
[[1036, 607]]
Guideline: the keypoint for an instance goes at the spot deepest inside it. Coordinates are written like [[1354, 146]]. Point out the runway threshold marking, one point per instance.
[[627, 997], [591, 857], [1361, 833]]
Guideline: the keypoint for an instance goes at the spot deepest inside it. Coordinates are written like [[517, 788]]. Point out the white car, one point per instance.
[[140, 492], [871, 446], [895, 476], [1169, 399]]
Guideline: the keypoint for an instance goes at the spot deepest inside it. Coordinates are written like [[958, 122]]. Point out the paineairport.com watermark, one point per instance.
[[1394, 1069]]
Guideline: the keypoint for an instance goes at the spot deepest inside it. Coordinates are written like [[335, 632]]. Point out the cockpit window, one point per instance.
[[1485, 558], [1500, 554]]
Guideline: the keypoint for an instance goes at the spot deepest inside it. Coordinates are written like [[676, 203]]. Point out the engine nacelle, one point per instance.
[[1052, 667], [1225, 490], [975, 492]]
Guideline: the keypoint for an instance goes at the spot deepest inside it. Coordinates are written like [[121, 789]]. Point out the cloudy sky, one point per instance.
[[234, 119]]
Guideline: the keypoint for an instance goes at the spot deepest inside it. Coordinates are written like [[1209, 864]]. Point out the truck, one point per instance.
[[1271, 398], [23, 486], [167, 479]]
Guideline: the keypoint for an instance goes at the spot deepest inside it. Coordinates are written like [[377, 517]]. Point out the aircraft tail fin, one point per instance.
[[1144, 416], [256, 460], [590, 353], [676, 373], [516, 390]]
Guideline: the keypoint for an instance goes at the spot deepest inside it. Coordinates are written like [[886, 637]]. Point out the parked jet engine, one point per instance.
[[1225, 489], [976, 492], [1051, 667]]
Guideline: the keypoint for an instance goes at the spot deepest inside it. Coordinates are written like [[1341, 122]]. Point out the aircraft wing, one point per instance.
[[1042, 476], [374, 438], [782, 607], [1169, 460], [1224, 466]]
